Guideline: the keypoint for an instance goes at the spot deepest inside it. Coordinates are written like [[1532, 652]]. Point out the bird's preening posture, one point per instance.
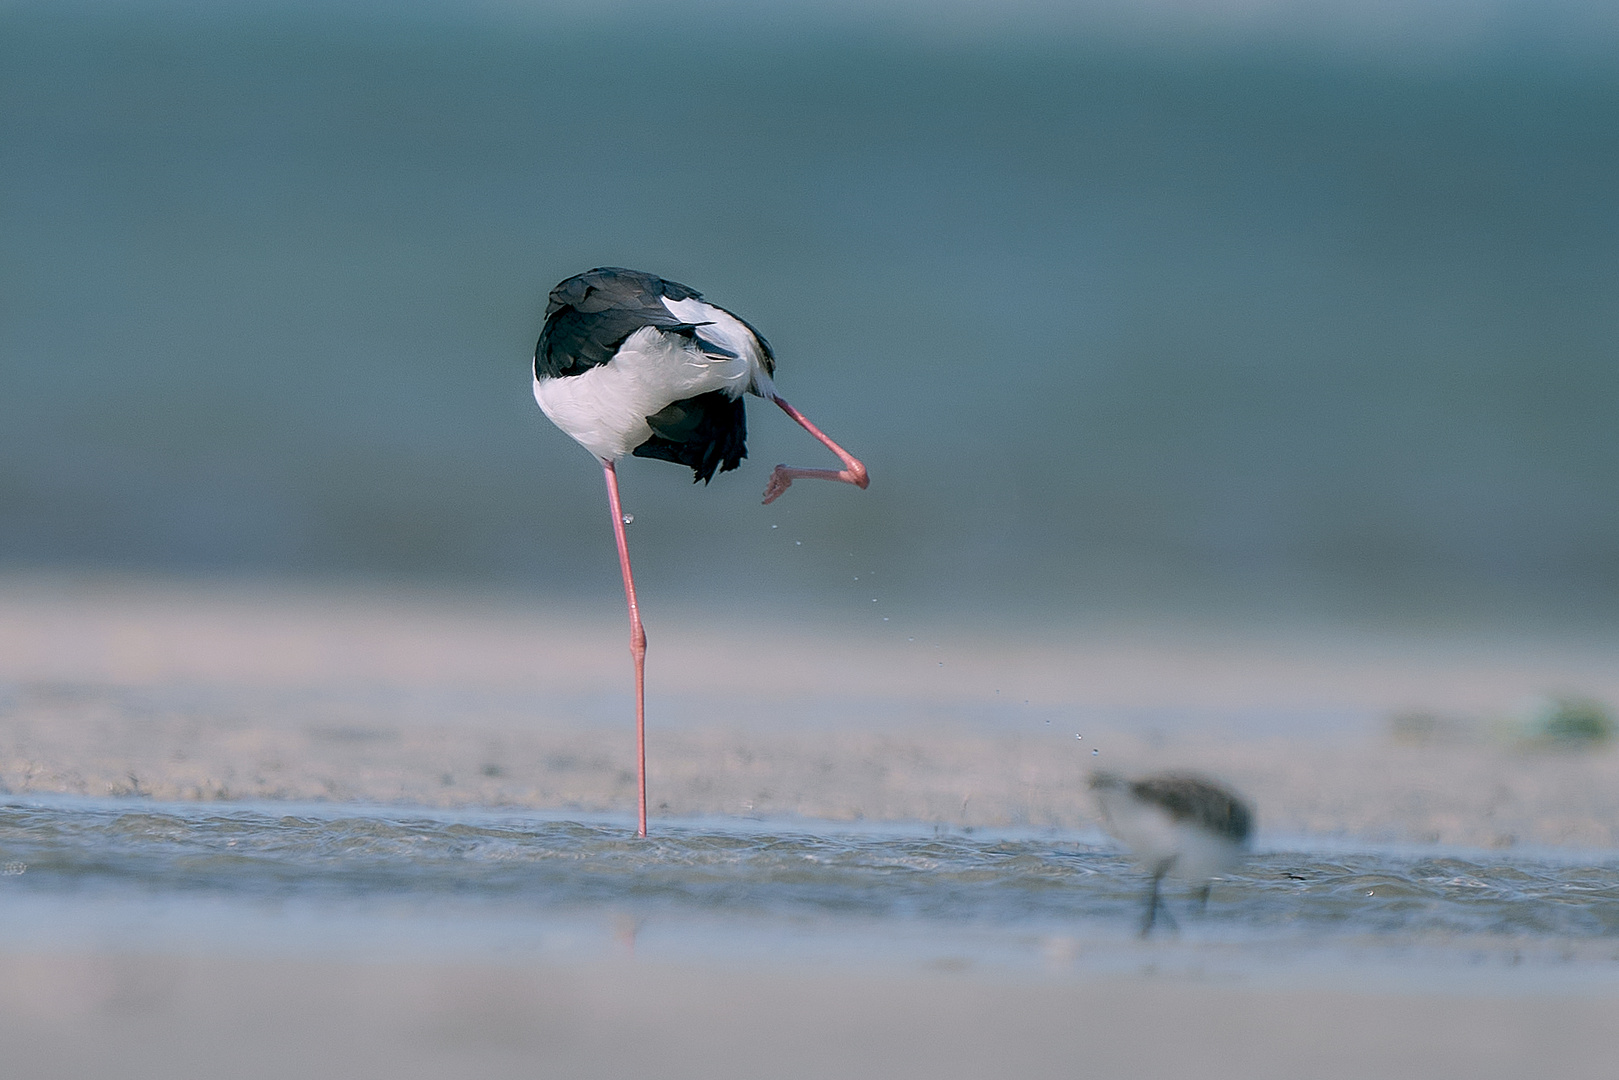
[[1176, 825], [629, 363]]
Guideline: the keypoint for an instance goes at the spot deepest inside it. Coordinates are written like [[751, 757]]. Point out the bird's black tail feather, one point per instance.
[[705, 433]]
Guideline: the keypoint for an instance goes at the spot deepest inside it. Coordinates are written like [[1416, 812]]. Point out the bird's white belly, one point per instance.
[[605, 409], [1153, 835]]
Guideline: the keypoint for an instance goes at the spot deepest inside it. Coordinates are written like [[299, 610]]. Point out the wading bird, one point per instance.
[[629, 363], [1177, 825]]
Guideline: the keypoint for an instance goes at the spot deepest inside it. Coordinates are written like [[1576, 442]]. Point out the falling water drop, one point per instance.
[[775, 526], [800, 543], [629, 519], [1094, 751]]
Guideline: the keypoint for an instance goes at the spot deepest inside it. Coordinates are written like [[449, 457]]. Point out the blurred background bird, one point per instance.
[[1176, 825]]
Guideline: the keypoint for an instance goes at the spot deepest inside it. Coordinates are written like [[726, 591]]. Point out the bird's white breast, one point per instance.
[[605, 409], [1152, 834]]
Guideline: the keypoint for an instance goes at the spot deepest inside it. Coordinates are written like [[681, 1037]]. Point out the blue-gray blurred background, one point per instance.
[[1310, 308]]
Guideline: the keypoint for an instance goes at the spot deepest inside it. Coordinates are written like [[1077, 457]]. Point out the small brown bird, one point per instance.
[[1176, 825]]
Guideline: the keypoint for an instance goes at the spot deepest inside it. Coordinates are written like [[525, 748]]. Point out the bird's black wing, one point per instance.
[[589, 316], [1191, 798]]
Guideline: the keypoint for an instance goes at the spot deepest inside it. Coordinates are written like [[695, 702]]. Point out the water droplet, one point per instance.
[[800, 543], [1094, 752], [857, 577], [873, 599], [910, 639], [941, 663], [629, 519], [775, 526], [885, 618], [1077, 735]]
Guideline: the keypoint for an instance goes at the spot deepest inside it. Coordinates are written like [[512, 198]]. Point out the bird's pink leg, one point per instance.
[[852, 472], [637, 633]]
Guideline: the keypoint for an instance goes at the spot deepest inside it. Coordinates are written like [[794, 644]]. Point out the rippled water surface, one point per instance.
[[493, 881]]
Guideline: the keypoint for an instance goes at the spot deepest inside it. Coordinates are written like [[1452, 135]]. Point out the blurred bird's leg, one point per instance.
[[637, 634], [1155, 902], [852, 472], [1203, 897]]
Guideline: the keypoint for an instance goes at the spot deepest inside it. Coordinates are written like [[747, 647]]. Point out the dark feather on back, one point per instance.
[[1191, 798], [589, 316]]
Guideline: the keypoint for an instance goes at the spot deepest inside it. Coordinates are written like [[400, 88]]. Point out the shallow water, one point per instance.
[[130, 875]]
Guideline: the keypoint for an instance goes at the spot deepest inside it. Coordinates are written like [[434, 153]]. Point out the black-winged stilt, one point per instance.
[[1176, 825], [629, 363]]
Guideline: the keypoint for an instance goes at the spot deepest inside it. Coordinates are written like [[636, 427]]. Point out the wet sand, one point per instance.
[[179, 692]]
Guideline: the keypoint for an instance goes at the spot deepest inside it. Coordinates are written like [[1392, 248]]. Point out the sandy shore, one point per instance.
[[196, 693]]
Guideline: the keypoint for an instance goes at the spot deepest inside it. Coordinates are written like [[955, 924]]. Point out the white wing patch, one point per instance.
[[716, 326]]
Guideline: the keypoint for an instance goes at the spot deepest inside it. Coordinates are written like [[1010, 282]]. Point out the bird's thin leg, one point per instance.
[[1155, 902], [1152, 902], [852, 472], [637, 634]]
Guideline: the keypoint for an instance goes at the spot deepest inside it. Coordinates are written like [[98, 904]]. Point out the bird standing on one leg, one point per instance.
[[629, 363], [1176, 825]]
